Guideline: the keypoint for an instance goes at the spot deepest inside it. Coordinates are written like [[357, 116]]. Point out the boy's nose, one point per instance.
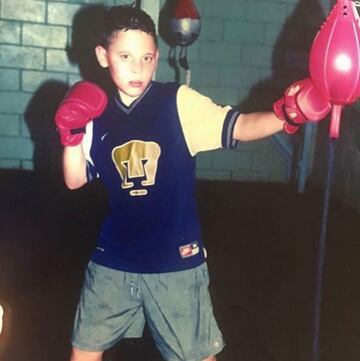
[[136, 66]]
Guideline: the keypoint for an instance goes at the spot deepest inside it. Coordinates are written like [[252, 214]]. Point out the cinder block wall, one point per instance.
[[247, 52], [35, 71]]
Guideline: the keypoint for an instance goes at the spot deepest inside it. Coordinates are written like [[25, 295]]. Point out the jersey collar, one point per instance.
[[128, 109]]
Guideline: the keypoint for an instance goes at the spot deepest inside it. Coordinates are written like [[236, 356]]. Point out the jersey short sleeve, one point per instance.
[[206, 125]]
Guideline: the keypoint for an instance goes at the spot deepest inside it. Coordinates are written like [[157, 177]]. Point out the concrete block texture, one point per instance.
[[232, 160], [220, 53], [28, 10], [62, 13], [58, 60], [14, 102], [225, 10], [204, 161], [10, 163], [16, 148], [9, 32], [266, 11], [244, 32], [268, 162], [239, 76], [32, 80], [22, 57], [9, 79], [212, 29], [213, 174], [44, 36], [257, 55], [9, 124]]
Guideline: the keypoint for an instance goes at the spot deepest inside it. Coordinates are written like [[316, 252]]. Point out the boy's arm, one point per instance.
[[74, 166], [258, 125], [84, 102], [301, 103]]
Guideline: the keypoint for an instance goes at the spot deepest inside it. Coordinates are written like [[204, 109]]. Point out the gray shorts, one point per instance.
[[176, 307]]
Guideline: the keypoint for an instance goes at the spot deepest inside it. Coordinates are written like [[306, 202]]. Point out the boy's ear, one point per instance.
[[157, 54], [101, 56]]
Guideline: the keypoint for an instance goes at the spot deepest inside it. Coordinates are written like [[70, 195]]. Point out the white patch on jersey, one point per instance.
[[87, 141], [104, 136]]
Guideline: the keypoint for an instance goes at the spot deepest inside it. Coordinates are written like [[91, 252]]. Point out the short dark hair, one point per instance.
[[126, 17]]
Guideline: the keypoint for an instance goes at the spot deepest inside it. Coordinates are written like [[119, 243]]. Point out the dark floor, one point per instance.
[[261, 241]]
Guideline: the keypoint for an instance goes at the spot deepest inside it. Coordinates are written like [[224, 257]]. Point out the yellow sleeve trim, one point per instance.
[[201, 120]]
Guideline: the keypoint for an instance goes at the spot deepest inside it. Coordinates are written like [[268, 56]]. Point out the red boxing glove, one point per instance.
[[301, 103], [83, 102]]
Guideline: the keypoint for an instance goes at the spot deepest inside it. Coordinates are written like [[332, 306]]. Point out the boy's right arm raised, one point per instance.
[[74, 166], [83, 102]]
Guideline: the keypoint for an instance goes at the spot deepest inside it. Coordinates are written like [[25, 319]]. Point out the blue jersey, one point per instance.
[[142, 155]]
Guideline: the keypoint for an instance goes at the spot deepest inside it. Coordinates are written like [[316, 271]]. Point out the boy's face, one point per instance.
[[131, 58]]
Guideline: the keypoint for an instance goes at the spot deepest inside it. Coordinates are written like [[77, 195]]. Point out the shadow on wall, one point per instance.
[[39, 115], [290, 56], [86, 29], [289, 63]]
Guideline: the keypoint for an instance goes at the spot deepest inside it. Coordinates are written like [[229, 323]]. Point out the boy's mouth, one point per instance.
[[136, 84]]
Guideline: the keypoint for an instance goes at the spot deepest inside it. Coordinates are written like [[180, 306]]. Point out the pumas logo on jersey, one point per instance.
[[137, 162], [189, 250]]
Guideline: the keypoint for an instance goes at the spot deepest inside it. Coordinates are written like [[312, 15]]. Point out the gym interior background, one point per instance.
[[247, 53]]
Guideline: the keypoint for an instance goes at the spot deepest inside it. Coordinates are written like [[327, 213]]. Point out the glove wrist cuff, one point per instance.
[[81, 130], [71, 137], [290, 127]]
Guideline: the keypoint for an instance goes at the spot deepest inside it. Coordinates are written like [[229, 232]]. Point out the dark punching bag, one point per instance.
[[185, 26], [185, 22]]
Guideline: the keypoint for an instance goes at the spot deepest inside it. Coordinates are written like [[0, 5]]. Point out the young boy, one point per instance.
[[149, 262]]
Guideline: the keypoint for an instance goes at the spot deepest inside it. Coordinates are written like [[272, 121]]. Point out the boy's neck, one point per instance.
[[125, 99]]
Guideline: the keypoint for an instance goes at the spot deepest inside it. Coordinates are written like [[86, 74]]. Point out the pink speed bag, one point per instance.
[[335, 60]]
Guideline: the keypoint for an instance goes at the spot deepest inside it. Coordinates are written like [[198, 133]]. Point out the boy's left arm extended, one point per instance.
[[256, 125], [301, 103]]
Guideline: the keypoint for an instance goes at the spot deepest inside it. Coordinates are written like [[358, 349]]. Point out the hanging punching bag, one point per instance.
[[185, 22], [335, 60], [185, 27]]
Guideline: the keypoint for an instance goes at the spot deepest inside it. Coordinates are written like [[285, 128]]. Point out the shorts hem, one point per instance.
[[211, 352], [102, 348], [208, 353]]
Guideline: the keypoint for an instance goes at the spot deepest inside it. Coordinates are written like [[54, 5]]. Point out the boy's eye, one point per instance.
[[148, 59], [124, 56]]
